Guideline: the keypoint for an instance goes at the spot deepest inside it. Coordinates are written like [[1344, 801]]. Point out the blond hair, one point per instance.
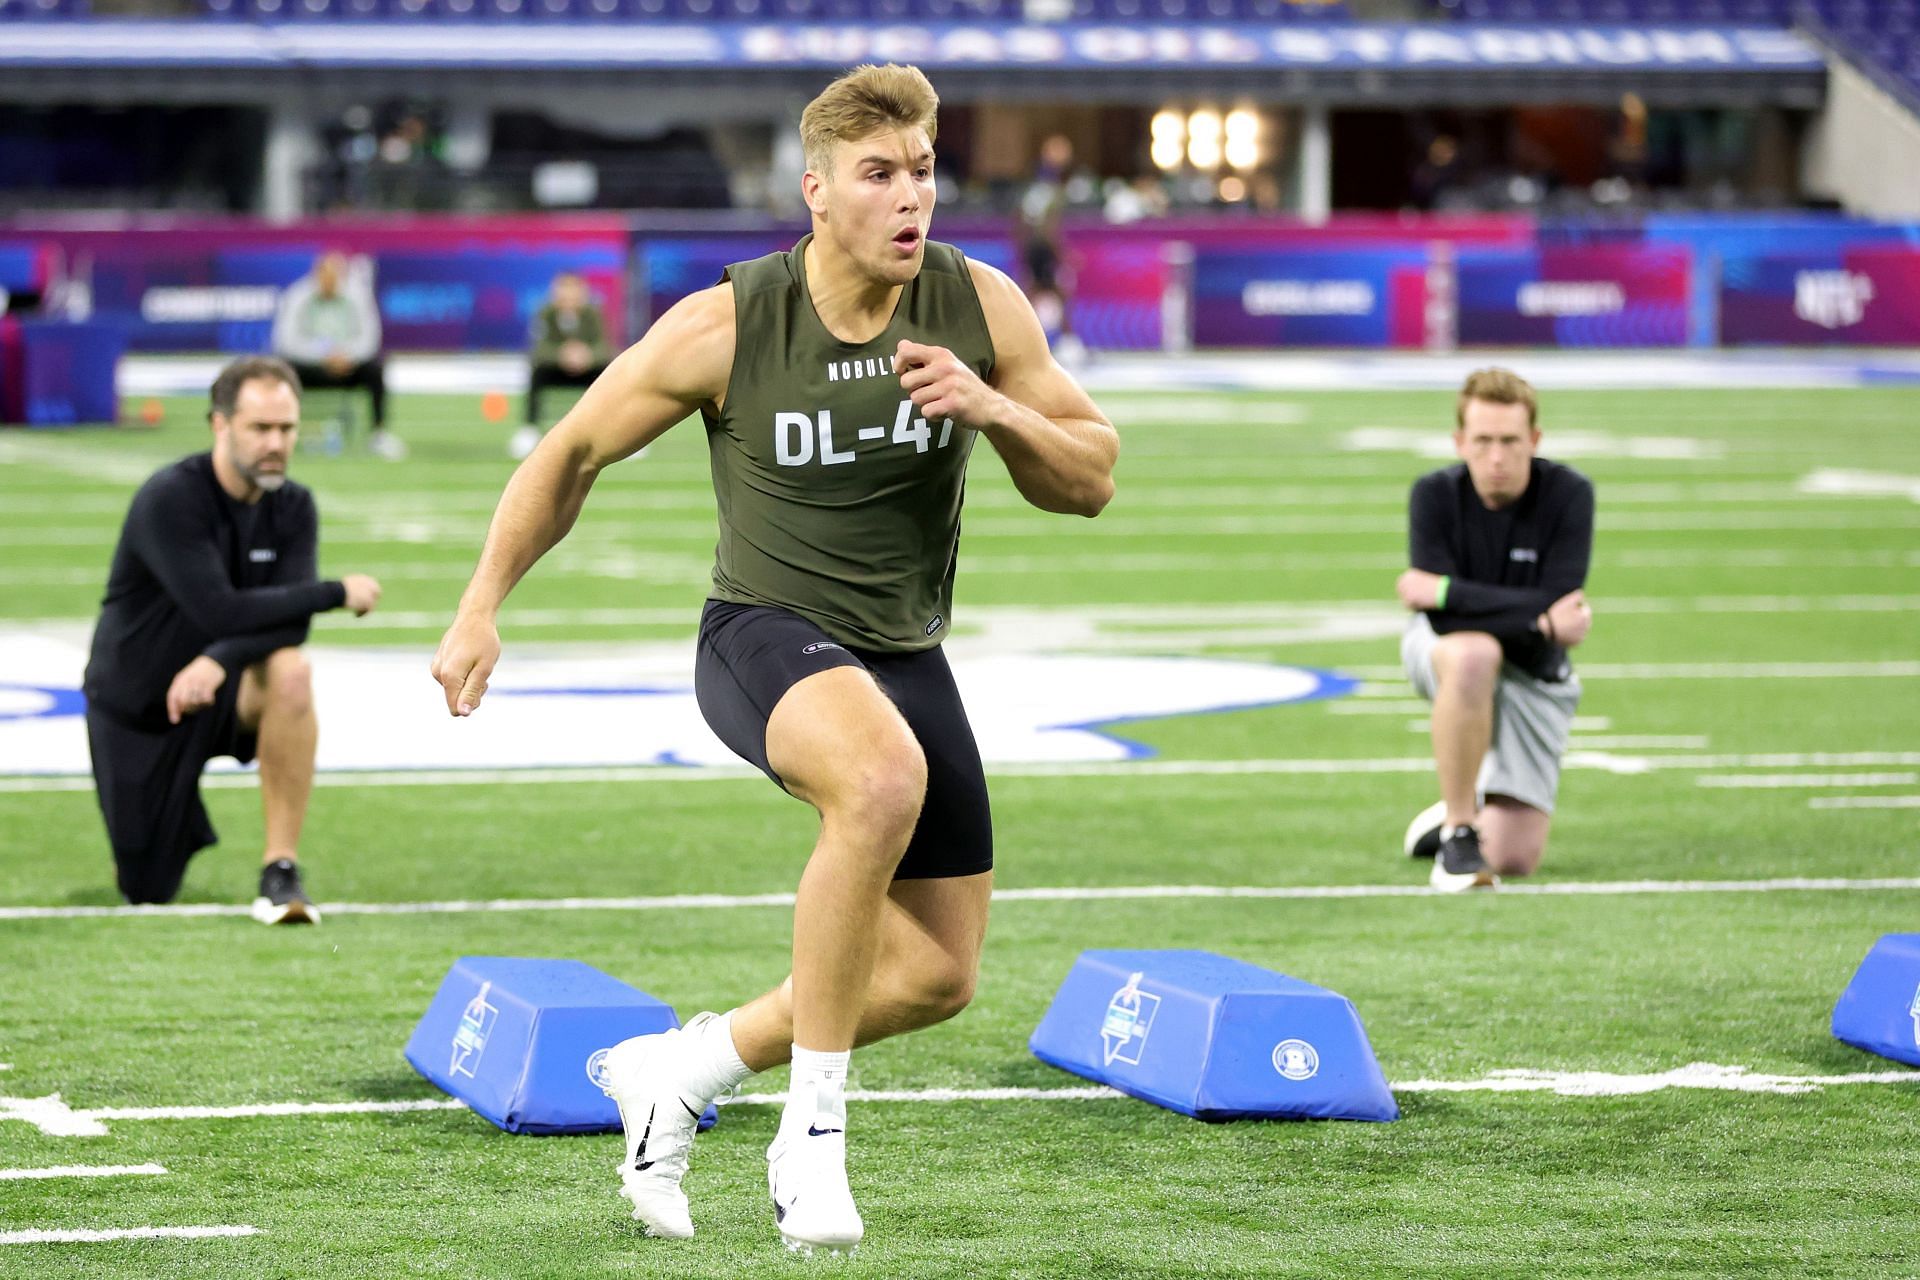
[[860, 104], [1497, 386]]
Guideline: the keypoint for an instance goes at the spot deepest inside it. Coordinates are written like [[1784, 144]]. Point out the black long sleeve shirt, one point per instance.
[[1504, 567], [198, 572]]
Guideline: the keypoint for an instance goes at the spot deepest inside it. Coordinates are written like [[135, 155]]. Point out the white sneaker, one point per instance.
[[385, 444], [644, 1077], [521, 443], [1423, 833], [807, 1177]]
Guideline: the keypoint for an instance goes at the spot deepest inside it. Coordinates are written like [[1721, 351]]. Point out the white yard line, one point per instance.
[[124, 1233], [1069, 893], [1864, 802], [82, 1171], [1890, 670], [1575, 1084], [1578, 757], [1788, 781]]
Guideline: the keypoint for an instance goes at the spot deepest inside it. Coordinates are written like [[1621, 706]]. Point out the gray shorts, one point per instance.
[[1531, 720]]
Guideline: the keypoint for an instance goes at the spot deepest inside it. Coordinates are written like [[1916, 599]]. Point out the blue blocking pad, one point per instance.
[[518, 1041], [1880, 1009], [1213, 1037]]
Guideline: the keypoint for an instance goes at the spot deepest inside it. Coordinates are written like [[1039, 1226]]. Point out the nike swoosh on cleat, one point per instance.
[[816, 1132], [640, 1161], [779, 1212]]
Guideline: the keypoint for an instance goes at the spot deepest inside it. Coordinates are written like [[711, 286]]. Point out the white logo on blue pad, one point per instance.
[[470, 1038], [1296, 1060], [1130, 1015], [1915, 1011], [597, 1068]]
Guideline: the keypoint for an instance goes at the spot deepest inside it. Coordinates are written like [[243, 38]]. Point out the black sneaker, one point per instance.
[[1459, 865], [282, 900]]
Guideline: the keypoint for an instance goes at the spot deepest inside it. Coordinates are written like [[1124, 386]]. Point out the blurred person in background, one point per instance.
[[569, 350], [327, 327], [1043, 251]]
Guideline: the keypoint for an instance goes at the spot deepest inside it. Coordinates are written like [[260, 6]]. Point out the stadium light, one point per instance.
[[1169, 139], [1203, 139], [1243, 138]]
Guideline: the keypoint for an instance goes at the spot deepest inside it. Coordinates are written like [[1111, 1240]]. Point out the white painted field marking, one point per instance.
[[1768, 781], [1864, 802], [1890, 670], [50, 1115], [1860, 484], [1636, 741], [1577, 758], [82, 1171], [1608, 1084], [1376, 707], [124, 1233], [1573, 1084], [58, 1112]]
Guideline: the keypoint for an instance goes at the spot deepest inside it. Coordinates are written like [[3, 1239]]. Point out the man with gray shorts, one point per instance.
[[1499, 546]]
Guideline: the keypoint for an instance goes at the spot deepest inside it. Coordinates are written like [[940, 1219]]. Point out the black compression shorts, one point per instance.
[[147, 779], [750, 655]]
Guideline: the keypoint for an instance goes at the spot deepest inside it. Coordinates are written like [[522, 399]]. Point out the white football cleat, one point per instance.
[[807, 1178], [645, 1078]]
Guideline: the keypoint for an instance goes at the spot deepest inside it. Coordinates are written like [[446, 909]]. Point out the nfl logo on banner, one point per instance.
[[1880, 1009], [521, 1041], [1213, 1037]]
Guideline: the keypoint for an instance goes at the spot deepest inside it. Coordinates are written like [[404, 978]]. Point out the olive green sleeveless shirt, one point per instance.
[[838, 500]]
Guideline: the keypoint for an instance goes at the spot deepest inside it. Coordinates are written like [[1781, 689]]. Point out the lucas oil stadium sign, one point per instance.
[[1081, 47]]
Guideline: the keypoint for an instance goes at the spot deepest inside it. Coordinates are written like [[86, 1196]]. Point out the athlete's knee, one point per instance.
[[942, 988], [1468, 660], [143, 882], [1513, 845], [879, 794], [289, 680]]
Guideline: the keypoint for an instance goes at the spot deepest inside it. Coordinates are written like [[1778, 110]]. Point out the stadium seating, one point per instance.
[[1723, 12], [732, 10], [1882, 36], [17, 10]]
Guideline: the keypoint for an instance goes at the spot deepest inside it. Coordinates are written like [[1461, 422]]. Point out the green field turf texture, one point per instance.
[[1226, 501]]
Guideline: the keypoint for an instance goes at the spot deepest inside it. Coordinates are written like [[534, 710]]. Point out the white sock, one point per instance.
[[716, 1063], [819, 1089]]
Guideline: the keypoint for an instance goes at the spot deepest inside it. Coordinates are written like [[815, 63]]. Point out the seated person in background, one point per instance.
[[1499, 546], [328, 328], [569, 350], [197, 652]]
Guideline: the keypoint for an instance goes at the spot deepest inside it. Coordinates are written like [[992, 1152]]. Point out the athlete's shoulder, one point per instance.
[[1441, 481], [770, 271], [1561, 478]]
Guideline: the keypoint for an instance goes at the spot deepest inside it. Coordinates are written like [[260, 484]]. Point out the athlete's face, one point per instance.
[[876, 202], [257, 440], [1497, 442]]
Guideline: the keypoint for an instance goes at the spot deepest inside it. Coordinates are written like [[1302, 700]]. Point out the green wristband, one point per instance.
[[1440, 592]]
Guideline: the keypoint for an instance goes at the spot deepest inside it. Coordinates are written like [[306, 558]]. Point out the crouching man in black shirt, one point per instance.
[[197, 652], [1499, 548]]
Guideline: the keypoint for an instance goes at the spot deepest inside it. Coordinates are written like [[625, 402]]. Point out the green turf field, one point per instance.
[[1753, 686]]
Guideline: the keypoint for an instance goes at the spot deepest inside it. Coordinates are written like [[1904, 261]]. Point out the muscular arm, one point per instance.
[[1058, 447], [680, 365]]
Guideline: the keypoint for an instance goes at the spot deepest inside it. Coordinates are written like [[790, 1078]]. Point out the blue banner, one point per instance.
[[1076, 46]]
